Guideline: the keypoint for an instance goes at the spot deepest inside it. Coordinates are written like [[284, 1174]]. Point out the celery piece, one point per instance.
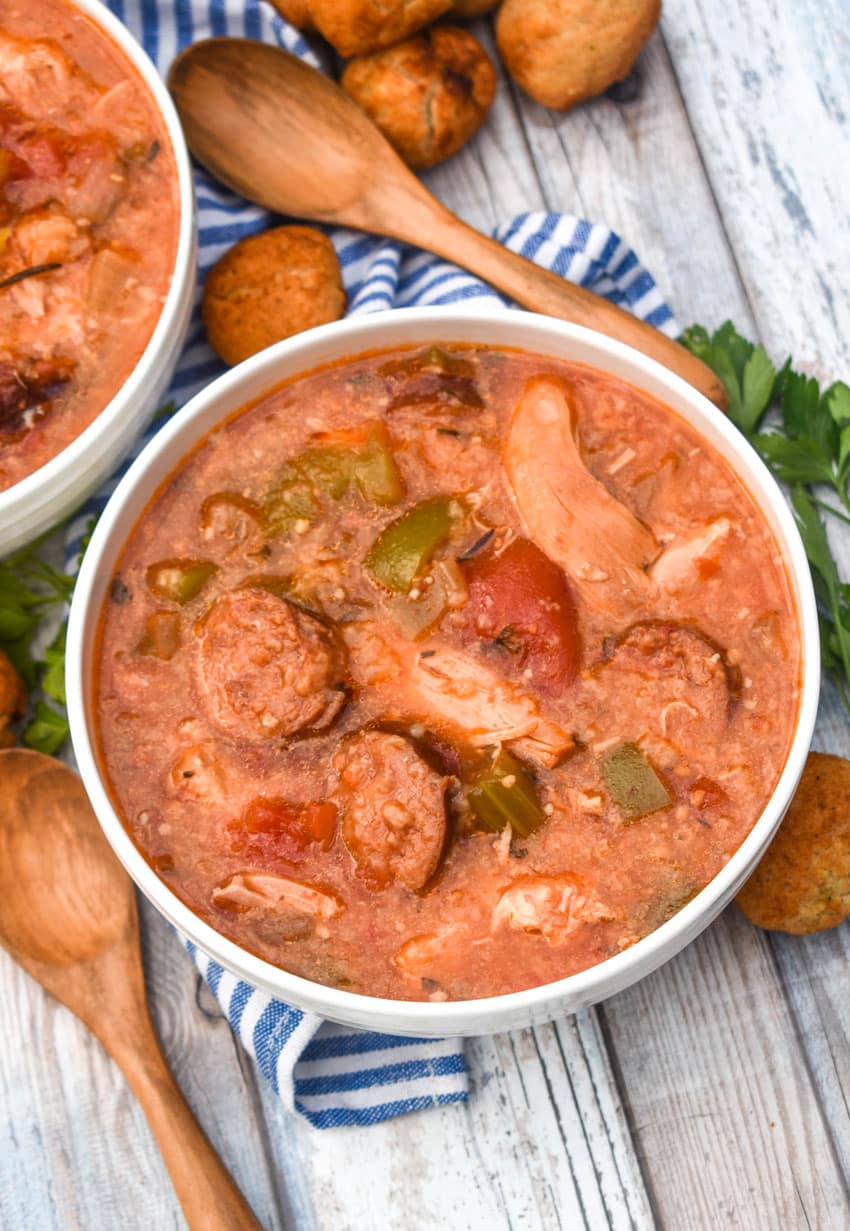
[[504, 795]]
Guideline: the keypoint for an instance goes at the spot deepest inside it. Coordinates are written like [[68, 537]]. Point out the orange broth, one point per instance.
[[299, 726]]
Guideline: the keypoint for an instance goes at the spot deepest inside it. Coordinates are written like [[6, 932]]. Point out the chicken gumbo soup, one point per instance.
[[89, 218], [446, 672]]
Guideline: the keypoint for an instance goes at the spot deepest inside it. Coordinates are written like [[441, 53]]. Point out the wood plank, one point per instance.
[[633, 166], [542, 1143], [728, 1125], [765, 86], [74, 1145], [814, 976], [793, 257], [216, 1076]]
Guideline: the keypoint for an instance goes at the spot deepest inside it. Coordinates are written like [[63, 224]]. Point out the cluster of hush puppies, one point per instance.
[[428, 88]]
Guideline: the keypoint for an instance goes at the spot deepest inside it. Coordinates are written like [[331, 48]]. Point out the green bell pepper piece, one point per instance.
[[179, 580], [328, 471], [291, 500], [632, 782], [375, 472], [161, 638], [405, 546]]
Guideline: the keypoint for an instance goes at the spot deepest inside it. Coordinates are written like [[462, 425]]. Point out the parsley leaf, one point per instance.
[[31, 590], [801, 460], [48, 730], [53, 679], [746, 371], [837, 400], [757, 381], [807, 448]]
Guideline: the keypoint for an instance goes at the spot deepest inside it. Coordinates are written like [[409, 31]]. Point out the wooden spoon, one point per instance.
[[68, 915], [282, 134]]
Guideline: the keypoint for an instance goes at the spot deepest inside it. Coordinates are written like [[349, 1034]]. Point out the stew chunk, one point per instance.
[[519, 603], [393, 806], [598, 542], [266, 669], [683, 684]]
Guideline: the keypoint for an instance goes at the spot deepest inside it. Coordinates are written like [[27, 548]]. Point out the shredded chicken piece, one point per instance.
[[246, 889], [420, 952], [549, 906], [195, 774], [568, 512], [461, 691], [689, 558]]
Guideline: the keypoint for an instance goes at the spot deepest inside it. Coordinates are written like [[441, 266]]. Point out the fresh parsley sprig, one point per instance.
[[29, 589], [807, 446]]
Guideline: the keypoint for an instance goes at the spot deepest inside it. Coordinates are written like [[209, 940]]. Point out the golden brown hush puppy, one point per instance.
[[802, 884], [296, 12], [564, 51], [427, 95], [268, 287], [355, 27], [13, 700], [473, 8]]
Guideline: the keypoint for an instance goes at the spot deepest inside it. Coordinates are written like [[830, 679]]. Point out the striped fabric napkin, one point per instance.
[[334, 1075]]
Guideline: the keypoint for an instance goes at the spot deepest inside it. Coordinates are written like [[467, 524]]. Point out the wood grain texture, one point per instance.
[[716, 1092], [765, 86], [543, 1142]]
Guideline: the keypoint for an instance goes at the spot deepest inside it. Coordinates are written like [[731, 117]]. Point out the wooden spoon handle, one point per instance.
[[543, 291], [205, 1189]]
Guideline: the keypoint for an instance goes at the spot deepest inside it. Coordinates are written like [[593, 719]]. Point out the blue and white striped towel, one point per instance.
[[332, 1074]]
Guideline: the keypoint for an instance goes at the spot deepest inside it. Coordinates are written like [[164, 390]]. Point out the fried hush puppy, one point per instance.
[[802, 884], [296, 12], [13, 700], [428, 95], [466, 9], [355, 27], [564, 51], [268, 287]]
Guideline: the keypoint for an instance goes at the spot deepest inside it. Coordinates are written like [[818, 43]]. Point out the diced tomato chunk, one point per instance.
[[319, 821], [276, 829], [520, 601]]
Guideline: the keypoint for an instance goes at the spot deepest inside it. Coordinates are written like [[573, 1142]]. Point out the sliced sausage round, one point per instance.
[[393, 809], [266, 669], [678, 680]]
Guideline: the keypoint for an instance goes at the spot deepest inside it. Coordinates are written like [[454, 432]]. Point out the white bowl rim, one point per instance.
[[20, 497], [409, 1015]]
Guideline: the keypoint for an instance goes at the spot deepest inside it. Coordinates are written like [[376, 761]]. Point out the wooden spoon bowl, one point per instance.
[[68, 916], [284, 135]]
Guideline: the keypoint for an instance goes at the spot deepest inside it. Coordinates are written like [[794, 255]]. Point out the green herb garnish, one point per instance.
[[806, 446], [29, 589]]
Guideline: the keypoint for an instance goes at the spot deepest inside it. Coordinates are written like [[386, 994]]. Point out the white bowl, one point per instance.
[[493, 327], [43, 498]]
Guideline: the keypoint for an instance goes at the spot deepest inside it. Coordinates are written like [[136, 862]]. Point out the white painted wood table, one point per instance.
[[715, 1093]]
